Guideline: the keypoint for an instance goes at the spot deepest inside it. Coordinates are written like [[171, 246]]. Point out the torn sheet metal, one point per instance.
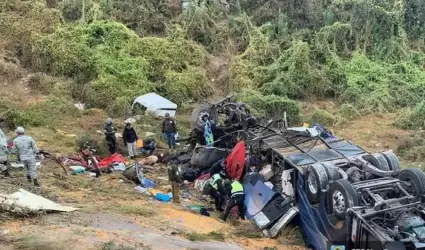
[[28, 200]]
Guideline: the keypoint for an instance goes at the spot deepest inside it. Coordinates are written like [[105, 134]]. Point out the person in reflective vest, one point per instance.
[[237, 198], [217, 191]]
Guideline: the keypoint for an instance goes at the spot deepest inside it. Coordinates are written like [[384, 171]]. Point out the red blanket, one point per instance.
[[235, 162], [106, 162]]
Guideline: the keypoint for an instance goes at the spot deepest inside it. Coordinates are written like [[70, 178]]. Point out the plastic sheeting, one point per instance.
[[106, 162], [235, 162]]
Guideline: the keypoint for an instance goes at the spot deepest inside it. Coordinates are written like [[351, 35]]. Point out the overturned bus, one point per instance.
[[336, 192]]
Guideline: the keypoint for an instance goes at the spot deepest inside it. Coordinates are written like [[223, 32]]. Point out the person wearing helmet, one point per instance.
[[4, 152], [26, 149], [169, 129], [237, 198], [217, 191], [109, 130]]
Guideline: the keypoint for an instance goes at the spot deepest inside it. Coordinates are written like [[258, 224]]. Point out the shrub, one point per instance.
[[271, 106], [348, 111], [412, 119], [323, 117], [9, 72], [120, 107], [118, 64], [412, 147], [72, 10], [43, 83], [47, 112]]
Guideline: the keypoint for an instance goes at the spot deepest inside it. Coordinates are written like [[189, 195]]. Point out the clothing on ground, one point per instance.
[[132, 150], [25, 147], [129, 135]]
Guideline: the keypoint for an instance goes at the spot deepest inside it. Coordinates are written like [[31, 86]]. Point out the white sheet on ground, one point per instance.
[[20, 165], [28, 200]]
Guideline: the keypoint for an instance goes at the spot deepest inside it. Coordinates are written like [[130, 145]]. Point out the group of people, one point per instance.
[[26, 151], [221, 189], [130, 138]]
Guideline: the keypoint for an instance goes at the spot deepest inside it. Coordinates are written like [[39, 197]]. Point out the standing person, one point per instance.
[[169, 129], [111, 139], [26, 149], [237, 198], [129, 137], [175, 180], [4, 152]]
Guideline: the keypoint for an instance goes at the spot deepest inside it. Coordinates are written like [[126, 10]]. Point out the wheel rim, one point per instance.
[[338, 202], [312, 183], [202, 114]]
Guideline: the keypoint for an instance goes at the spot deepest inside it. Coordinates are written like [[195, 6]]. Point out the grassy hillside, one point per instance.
[[367, 56]]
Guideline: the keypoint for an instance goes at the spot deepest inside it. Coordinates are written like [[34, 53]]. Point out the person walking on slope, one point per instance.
[[26, 149], [130, 137], [169, 129], [109, 130], [237, 198], [4, 152]]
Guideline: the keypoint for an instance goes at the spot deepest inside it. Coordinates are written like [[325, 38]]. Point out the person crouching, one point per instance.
[[217, 191], [237, 198]]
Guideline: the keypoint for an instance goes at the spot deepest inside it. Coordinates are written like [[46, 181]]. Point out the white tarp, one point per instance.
[[156, 104], [27, 200], [20, 165]]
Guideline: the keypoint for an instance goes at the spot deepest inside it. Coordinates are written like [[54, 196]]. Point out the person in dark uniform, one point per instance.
[[109, 130]]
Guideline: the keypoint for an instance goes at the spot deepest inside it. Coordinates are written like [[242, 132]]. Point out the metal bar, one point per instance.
[[402, 189], [387, 209], [370, 184]]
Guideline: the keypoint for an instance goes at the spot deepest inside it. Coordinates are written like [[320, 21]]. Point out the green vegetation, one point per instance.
[[412, 119], [365, 54], [412, 147]]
